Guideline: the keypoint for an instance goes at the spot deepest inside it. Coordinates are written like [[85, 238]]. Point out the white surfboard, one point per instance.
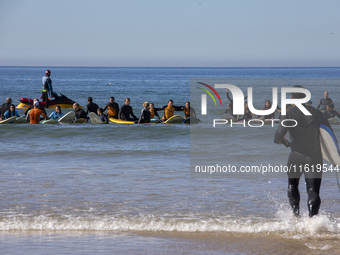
[[80, 121], [227, 116], [50, 121], [334, 121], [67, 118], [94, 118], [329, 146], [21, 120], [9, 120]]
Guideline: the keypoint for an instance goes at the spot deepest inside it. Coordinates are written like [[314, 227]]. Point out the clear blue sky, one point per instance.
[[178, 33]]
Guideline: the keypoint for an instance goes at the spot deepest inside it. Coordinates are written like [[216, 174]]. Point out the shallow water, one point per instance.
[[128, 189]]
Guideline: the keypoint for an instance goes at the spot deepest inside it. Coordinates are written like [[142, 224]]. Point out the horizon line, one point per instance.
[[58, 66]]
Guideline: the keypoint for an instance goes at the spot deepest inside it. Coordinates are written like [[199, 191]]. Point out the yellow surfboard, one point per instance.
[[125, 121]]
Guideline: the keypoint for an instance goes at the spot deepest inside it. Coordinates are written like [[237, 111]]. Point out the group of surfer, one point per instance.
[[35, 111], [326, 104]]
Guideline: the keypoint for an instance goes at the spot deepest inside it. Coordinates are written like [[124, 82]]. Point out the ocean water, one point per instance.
[[86, 188]]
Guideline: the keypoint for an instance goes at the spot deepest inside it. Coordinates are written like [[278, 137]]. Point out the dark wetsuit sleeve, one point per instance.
[[281, 131], [156, 113], [179, 108], [105, 108], [161, 108], [116, 106], [231, 101], [87, 110], [337, 114], [133, 116], [28, 109], [83, 114], [319, 104], [80, 114], [120, 113], [142, 116]]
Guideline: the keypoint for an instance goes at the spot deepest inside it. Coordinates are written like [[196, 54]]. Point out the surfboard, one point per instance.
[[116, 121], [21, 120], [68, 117], [11, 119], [329, 146], [227, 116], [80, 121], [94, 118], [191, 120], [334, 121], [174, 119], [155, 121], [50, 121]]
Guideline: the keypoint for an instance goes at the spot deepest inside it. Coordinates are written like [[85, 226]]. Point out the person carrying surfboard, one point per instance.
[[47, 90], [305, 153], [125, 112], [35, 113], [113, 108], [145, 116], [11, 112]]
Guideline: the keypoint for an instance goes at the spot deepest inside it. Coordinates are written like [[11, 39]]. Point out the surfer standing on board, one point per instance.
[[305, 152], [47, 90]]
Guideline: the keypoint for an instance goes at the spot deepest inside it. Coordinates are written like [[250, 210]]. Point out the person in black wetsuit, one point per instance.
[[113, 108], [145, 114], [305, 152], [47, 90], [229, 109], [5, 107], [125, 111], [80, 113], [248, 115], [230, 105], [330, 112], [91, 107], [103, 116], [325, 101]]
